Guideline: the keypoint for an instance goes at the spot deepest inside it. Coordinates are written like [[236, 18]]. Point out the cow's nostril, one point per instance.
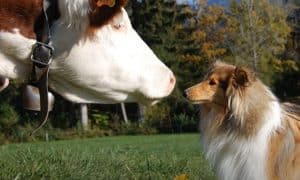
[[172, 80]]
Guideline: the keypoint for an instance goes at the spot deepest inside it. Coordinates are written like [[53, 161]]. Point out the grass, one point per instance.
[[124, 157]]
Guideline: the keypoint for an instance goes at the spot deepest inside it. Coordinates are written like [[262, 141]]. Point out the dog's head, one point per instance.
[[222, 81]]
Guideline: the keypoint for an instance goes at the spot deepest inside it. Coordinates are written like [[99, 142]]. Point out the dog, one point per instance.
[[247, 134]]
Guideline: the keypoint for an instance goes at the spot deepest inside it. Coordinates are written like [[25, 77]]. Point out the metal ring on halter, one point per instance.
[[47, 58]]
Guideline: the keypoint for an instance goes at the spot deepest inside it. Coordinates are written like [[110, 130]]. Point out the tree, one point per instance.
[[261, 36], [290, 76], [159, 23]]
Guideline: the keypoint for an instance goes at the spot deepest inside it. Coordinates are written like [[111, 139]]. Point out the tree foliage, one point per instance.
[[261, 37]]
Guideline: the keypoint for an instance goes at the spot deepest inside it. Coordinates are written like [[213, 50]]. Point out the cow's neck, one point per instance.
[[20, 15], [20, 21]]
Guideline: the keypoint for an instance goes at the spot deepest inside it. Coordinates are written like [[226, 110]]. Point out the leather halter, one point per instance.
[[41, 58]]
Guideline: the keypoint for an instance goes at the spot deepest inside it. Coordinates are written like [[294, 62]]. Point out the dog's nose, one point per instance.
[[185, 93]]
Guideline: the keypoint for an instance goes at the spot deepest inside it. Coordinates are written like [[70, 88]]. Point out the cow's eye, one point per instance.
[[119, 26]]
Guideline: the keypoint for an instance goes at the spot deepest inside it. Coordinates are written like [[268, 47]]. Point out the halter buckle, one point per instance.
[[42, 54]]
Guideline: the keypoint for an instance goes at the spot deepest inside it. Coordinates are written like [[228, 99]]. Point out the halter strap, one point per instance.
[[42, 57]]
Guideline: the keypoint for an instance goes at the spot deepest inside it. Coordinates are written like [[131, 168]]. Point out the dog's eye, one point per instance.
[[212, 82]]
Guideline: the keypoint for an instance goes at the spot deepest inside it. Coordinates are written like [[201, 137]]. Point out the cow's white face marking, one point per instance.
[[111, 66]]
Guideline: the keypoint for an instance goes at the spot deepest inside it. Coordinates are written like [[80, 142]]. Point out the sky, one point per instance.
[[219, 2], [226, 2]]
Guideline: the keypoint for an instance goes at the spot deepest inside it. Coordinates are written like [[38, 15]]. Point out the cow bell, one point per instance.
[[31, 99]]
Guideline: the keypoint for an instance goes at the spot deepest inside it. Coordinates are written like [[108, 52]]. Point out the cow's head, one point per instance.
[[100, 58]]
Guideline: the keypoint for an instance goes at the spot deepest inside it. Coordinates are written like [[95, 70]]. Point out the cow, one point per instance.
[[98, 57]]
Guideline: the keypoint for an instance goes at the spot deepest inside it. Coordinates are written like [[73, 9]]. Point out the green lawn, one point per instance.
[[123, 157]]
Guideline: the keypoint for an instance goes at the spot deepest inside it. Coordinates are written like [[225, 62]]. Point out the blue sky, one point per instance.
[[219, 2]]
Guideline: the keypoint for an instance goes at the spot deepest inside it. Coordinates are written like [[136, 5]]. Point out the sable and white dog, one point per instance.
[[247, 134]]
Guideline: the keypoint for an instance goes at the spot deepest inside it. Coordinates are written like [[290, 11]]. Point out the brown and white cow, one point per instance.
[[98, 57]]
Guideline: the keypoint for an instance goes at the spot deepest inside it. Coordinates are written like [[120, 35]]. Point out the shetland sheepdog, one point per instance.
[[247, 134]]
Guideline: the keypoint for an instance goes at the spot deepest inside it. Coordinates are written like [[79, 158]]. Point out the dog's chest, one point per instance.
[[236, 159]]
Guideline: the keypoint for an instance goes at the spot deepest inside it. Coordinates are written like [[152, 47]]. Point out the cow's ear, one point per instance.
[[242, 77], [109, 3]]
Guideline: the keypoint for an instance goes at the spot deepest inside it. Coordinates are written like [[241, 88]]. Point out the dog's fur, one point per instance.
[[246, 133]]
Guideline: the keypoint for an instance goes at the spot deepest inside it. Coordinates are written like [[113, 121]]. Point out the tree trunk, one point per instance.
[[141, 113], [84, 116], [255, 60]]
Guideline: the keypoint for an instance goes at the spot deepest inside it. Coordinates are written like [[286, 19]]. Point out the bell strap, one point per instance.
[[42, 57], [42, 85]]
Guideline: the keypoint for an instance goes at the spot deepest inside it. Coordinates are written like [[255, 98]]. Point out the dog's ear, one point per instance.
[[242, 77]]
